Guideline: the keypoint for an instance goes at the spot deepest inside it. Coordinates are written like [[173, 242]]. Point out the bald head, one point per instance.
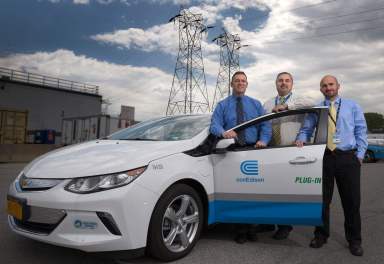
[[329, 76], [329, 86]]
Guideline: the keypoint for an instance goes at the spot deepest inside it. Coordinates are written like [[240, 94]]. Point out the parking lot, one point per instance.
[[216, 244]]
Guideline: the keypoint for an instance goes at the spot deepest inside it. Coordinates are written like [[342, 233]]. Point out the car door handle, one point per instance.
[[302, 160]]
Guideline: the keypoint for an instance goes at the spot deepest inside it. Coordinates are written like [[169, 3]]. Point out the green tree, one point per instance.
[[375, 122]]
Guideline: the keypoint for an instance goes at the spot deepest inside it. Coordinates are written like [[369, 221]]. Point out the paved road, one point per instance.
[[216, 245]]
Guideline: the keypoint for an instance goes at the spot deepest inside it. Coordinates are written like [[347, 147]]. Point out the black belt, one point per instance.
[[339, 152]]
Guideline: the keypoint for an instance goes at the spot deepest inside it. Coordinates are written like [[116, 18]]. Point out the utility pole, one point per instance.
[[189, 90], [229, 64], [106, 102]]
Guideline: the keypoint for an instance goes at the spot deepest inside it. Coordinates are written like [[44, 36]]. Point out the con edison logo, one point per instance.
[[250, 167], [84, 224]]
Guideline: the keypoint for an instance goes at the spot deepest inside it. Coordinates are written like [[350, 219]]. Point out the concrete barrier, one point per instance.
[[23, 152]]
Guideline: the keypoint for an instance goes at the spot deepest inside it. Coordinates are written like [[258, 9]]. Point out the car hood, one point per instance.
[[101, 157]]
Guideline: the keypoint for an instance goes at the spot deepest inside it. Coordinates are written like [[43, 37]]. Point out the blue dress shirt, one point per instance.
[[351, 127], [224, 118]]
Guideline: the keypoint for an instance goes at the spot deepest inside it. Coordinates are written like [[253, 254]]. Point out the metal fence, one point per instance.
[[32, 78]]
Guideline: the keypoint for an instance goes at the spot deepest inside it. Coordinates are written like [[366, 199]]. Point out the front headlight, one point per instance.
[[23, 183], [103, 182]]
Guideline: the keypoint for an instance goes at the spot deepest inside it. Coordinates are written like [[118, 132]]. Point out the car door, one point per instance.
[[279, 184]]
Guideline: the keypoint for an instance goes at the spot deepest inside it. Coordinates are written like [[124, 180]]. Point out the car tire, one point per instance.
[[369, 157], [176, 223]]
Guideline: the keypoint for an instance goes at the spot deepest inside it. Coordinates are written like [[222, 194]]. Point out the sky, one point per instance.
[[129, 49]]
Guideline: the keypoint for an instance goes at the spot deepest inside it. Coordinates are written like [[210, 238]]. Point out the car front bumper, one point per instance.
[[72, 220]]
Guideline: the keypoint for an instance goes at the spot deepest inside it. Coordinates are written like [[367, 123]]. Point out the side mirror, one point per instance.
[[223, 144]]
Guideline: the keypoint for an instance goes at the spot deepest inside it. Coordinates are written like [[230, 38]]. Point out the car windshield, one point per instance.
[[165, 129]]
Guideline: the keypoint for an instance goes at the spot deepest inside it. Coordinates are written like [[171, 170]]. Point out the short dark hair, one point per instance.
[[281, 73], [238, 73]]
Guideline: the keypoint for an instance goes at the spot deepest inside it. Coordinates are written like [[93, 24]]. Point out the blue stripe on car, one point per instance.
[[297, 213]]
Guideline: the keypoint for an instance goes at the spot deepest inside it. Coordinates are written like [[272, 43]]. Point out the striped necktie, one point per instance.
[[331, 126], [276, 127]]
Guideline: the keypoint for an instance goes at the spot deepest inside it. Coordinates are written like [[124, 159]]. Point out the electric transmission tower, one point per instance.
[[229, 64], [189, 90]]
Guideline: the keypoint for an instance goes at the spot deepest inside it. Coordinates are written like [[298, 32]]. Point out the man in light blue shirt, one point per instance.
[[346, 145], [225, 115], [233, 110]]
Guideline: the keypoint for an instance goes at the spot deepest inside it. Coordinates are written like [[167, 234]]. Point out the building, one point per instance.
[[46, 102], [85, 128]]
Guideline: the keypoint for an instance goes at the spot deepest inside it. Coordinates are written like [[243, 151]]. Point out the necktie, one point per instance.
[[276, 134], [240, 119], [331, 126]]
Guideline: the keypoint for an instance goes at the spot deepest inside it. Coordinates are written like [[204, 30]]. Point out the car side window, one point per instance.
[[286, 128], [287, 125]]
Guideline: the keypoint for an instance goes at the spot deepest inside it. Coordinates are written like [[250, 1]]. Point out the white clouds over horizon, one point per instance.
[[355, 58], [145, 88]]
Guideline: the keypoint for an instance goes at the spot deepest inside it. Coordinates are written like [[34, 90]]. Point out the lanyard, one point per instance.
[[337, 113], [285, 99]]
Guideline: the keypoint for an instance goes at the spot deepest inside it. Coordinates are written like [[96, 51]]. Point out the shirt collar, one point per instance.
[[234, 97], [337, 101], [284, 96]]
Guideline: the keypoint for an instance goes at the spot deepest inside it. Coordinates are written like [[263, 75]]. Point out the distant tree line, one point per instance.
[[375, 122]]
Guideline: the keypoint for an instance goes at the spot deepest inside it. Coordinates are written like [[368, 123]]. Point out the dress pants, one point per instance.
[[344, 167]]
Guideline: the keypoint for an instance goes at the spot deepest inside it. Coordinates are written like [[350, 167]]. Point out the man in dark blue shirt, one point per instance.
[[233, 110], [225, 115], [346, 145]]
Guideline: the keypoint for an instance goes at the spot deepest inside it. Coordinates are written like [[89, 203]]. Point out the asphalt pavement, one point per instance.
[[216, 244]]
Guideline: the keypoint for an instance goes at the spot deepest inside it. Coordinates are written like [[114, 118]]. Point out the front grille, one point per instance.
[[38, 228], [45, 215], [41, 220]]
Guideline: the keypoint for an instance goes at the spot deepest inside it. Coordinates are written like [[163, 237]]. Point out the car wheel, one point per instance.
[[369, 157], [176, 223]]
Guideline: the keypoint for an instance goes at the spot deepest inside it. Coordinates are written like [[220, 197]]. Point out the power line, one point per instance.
[[311, 5], [229, 63], [331, 26], [348, 14], [329, 17], [293, 9], [328, 34], [349, 23], [189, 92]]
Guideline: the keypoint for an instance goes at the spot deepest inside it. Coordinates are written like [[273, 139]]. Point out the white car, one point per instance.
[[155, 185]]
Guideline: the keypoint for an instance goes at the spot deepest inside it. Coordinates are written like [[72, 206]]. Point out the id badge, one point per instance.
[[336, 139]]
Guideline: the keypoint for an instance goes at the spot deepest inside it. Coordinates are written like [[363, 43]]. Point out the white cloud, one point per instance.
[[145, 88], [81, 2], [175, 2], [160, 37], [355, 58], [164, 37], [105, 2]]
